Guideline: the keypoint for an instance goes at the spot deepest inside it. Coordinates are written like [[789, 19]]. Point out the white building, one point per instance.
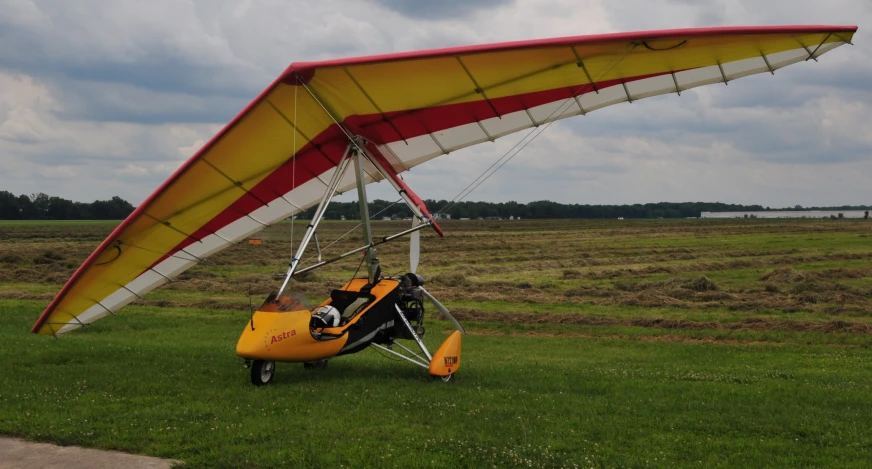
[[787, 214]]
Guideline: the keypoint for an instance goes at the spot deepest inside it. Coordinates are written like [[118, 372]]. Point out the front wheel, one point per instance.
[[262, 372]]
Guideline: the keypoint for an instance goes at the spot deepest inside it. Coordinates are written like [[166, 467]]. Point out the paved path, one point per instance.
[[17, 453]]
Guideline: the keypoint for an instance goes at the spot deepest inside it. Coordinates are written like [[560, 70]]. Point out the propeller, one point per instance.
[[414, 246], [414, 257], [442, 309]]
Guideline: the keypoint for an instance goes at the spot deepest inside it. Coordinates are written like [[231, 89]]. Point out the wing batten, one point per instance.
[[412, 107]]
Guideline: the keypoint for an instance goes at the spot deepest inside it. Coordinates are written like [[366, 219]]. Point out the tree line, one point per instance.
[[549, 209], [44, 207]]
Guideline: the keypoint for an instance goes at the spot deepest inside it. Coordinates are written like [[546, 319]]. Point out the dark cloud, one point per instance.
[[158, 70], [66, 41], [113, 102], [439, 10]]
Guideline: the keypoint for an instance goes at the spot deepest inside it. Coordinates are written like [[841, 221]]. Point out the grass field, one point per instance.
[[704, 343]]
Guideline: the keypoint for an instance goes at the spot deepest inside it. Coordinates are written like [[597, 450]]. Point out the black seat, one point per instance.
[[342, 299]]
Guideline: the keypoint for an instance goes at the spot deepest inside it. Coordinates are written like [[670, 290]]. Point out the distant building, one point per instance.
[[787, 214]]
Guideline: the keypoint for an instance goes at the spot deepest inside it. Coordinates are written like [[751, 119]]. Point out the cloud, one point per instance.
[[109, 97], [441, 10]]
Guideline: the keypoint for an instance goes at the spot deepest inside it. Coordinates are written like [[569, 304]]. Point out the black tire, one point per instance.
[[262, 372], [444, 379]]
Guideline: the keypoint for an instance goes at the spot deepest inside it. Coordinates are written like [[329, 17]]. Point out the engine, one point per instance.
[[411, 303]]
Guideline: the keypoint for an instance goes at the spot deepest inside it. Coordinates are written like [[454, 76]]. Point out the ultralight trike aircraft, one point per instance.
[[372, 311], [294, 146]]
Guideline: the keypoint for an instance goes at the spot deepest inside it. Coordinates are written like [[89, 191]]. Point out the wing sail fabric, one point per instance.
[[411, 107]]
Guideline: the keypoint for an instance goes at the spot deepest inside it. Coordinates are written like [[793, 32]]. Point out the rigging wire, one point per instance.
[[354, 228], [535, 132]]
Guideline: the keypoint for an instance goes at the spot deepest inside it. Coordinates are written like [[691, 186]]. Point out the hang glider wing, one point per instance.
[[410, 107]]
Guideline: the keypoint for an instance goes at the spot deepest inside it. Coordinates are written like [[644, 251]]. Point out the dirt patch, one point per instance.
[[16, 453]]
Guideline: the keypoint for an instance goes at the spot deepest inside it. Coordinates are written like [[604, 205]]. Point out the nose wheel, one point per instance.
[[262, 372]]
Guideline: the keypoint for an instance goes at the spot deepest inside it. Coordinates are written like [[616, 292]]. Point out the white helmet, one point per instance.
[[328, 316]]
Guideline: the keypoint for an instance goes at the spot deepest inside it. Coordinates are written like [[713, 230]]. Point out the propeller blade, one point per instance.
[[414, 247], [442, 309]]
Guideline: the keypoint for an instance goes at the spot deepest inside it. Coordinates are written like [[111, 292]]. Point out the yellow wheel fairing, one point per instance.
[[446, 360]]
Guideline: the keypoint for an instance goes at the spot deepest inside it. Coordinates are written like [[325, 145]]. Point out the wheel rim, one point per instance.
[[266, 371]]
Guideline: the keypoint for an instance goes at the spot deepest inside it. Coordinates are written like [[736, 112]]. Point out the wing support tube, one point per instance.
[[319, 215], [414, 334], [371, 253], [412, 200]]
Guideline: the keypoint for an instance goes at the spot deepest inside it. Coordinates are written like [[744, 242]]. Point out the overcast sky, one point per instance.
[[103, 98]]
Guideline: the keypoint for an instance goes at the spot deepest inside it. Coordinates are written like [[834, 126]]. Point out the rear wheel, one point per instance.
[[262, 372], [444, 379]]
